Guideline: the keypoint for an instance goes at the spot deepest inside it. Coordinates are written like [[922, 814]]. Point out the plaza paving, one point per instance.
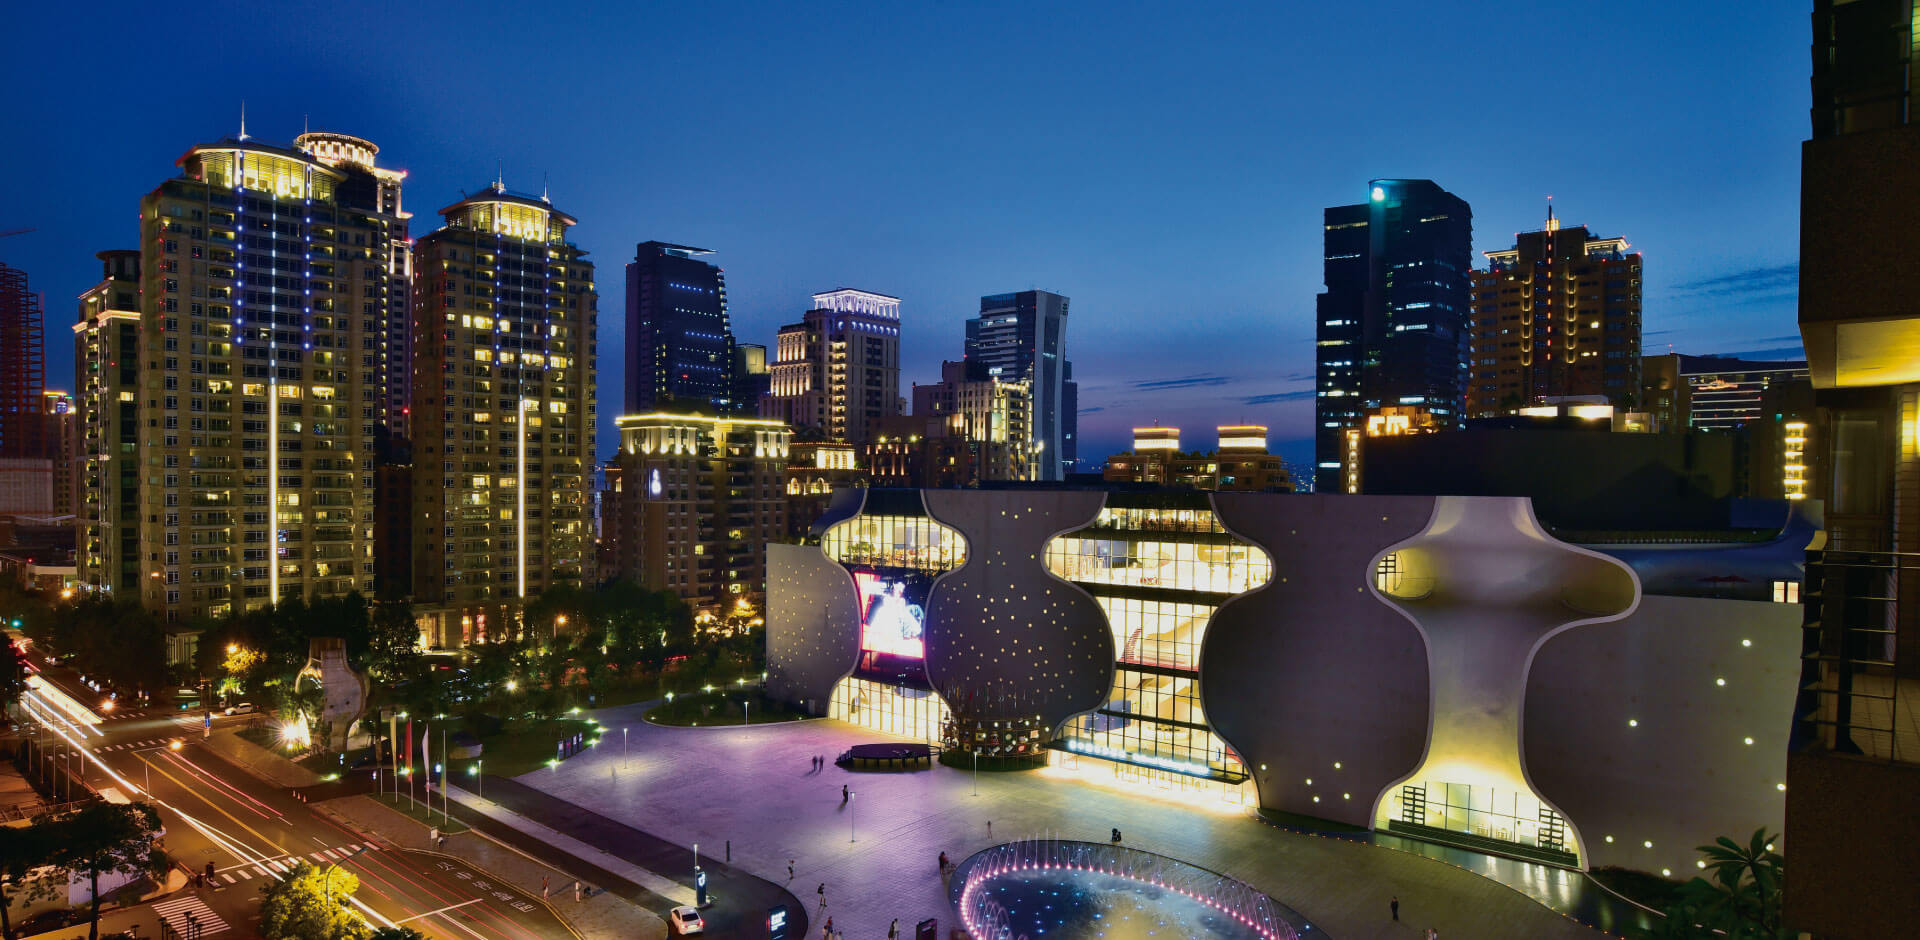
[[877, 854]]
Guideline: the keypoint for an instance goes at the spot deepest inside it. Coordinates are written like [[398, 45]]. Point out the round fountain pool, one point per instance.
[[1069, 890]]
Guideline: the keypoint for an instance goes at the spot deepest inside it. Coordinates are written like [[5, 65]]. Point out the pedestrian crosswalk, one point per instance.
[[332, 856], [134, 745], [189, 917]]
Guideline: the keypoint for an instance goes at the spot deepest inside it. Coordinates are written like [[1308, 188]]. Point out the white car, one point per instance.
[[686, 920], [244, 708]]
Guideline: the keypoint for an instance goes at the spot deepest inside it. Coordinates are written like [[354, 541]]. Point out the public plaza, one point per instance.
[[877, 853]]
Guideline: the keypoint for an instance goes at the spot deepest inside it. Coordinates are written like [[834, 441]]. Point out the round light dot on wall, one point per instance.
[[1309, 781], [1746, 642], [1666, 872], [1336, 765], [1781, 787], [1699, 864], [1648, 843], [1609, 839], [1720, 682], [1316, 799], [1749, 740], [1633, 722]]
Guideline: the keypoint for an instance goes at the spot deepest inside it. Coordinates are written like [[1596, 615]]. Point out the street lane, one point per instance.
[[253, 831]]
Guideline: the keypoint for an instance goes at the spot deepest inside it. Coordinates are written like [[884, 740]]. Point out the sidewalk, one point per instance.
[[877, 853], [605, 915], [741, 899]]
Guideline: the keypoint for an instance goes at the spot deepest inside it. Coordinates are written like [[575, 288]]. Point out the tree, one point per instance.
[[311, 904], [1738, 899], [23, 849], [107, 839], [393, 642], [397, 933]]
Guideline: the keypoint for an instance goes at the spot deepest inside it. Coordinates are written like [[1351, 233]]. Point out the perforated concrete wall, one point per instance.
[[1004, 637], [1313, 670], [1629, 730], [813, 632]]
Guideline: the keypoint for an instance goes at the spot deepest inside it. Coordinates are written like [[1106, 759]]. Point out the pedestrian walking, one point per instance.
[[546, 885], [576, 890], [1395, 905], [844, 793], [789, 871], [822, 892], [210, 875], [893, 929], [829, 930], [442, 843], [989, 828]]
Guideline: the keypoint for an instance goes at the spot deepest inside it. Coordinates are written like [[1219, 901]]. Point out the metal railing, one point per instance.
[[1857, 695]]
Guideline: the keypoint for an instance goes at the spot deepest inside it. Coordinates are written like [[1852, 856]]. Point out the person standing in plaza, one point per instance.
[[1395, 906], [893, 929]]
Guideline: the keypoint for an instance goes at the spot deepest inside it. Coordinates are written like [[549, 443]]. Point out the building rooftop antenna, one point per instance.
[[1552, 226], [243, 120]]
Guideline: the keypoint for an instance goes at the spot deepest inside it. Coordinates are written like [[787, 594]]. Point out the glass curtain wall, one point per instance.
[[1159, 574], [890, 709]]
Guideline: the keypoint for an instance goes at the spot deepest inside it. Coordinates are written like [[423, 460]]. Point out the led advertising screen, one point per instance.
[[893, 613]]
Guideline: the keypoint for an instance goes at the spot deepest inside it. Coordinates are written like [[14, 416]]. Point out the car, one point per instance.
[[686, 921], [244, 708]]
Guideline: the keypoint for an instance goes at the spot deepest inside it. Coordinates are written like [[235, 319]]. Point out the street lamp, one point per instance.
[[850, 804]]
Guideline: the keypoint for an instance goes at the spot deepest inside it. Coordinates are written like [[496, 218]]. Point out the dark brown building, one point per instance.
[[1853, 776], [1555, 316], [691, 503]]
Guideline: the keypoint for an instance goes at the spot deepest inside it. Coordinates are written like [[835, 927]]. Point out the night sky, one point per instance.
[[1162, 166]]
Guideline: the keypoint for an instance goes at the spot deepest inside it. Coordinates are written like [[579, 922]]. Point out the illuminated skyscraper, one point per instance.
[[1022, 337], [1392, 324], [504, 323], [1556, 315], [679, 342], [838, 369], [247, 396]]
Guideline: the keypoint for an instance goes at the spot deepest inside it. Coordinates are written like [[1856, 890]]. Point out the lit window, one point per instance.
[[1786, 592]]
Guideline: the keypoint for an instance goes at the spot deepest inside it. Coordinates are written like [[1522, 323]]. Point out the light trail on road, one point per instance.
[[233, 846]]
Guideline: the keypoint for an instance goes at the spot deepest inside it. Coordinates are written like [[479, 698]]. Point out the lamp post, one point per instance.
[[850, 804], [976, 773], [747, 709], [624, 752]]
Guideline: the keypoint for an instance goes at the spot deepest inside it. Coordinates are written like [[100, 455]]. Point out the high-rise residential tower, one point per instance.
[[267, 282], [1022, 337], [1392, 324], [679, 341], [838, 369], [106, 361], [1854, 771], [503, 423], [23, 349], [1556, 315]]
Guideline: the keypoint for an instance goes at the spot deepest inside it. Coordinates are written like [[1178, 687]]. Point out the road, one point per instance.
[[251, 832]]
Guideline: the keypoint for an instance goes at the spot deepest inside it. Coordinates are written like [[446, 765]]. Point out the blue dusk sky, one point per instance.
[[1164, 165]]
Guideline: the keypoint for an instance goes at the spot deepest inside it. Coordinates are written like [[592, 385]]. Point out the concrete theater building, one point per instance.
[[1442, 668]]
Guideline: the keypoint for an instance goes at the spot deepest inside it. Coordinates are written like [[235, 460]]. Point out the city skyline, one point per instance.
[[1165, 195]]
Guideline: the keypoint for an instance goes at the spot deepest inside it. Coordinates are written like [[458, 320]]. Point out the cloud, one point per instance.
[[1190, 381], [1771, 279], [1088, 411], [1268, 399], [1777, 354]]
